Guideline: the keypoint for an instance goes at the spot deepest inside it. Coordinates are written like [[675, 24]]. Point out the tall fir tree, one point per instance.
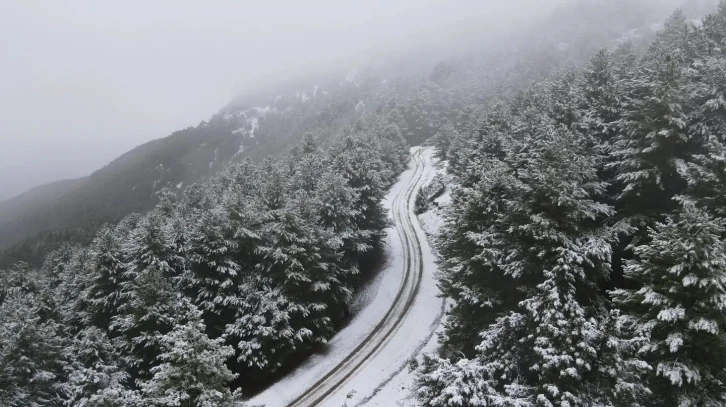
[[679, 307], [191, 369], [32, 353], [95, 376], [147, 294]]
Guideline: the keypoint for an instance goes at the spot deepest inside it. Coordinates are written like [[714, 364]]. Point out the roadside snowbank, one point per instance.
[[374, 301], [399, 390]]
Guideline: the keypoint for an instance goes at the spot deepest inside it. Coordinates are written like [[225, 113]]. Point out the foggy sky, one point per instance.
[[81, 82]]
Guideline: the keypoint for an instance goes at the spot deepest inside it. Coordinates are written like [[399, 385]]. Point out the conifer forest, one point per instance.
[[576, 172]]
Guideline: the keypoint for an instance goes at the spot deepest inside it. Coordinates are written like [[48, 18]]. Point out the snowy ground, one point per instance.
[[398, 391], [383, 379]]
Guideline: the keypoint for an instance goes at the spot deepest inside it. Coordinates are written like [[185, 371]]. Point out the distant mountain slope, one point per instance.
[[34, 202], [421, 93], [251, 127], [39, 194]]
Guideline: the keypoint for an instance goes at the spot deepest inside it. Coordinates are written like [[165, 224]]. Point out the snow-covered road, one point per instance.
[[403, 311]]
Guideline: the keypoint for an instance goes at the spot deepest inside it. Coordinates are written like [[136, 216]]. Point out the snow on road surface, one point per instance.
[[364, 359]]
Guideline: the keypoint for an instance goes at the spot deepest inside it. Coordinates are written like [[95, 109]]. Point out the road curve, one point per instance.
[[403, 310], [403, 217]]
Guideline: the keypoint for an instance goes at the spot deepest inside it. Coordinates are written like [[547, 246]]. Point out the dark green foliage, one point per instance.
[[241, 274], [612, 178], [252, 269]]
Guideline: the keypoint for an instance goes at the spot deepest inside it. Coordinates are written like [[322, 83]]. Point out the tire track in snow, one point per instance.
[[402, 213]]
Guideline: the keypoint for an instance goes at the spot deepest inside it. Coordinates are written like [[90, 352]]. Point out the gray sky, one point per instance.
[[81, 82]]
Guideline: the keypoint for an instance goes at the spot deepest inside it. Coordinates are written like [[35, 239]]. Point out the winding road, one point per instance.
[[384, 337]]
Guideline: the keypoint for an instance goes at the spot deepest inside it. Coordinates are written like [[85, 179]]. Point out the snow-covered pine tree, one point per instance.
[[69, 301], [147, 294], [706, 171], [442, 383], [443, 138], [273, 189], [490, 141], [191, 369], [559, 251], [603, 109], [294, 261], [330, 278], [566, 100], [337, 214], [95, 376], [55, 264], [714, 29], [602, 100], [653, 139], [269, 325], [674, 38], [262, 332], [620, 371], [307, 164], [22, 278], [470, 248], [104, 285], [538, 250], [213, 275], [32, 352], [394, 149], [679, 307], [356, 157]]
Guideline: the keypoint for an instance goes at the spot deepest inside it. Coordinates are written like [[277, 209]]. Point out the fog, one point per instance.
[[81, 82], [84, 81]]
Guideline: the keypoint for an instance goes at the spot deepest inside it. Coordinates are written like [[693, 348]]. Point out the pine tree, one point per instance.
[[94, 377], [681, 274], [441, 383], [104, 287], [32, 353], [338, 215], [654, 139], [566, 101], [147, 294], [213, 275], [705, 172], [540, 253], [262, 331], [714, 29], [560, 252], [470, 247], [72, 306], [442, 140], [294, 260], [470, 241], [674, 37], [191, 369], [357, 160], [394, 149], [602, 100], [273, 191], [20, 278], [307, 165], [619, 370]]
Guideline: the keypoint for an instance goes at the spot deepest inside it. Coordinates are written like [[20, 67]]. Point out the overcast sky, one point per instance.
[[81, 82]]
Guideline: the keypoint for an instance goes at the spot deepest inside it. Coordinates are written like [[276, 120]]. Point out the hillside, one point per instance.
[[579, 255], [419, 92], [250, 127]]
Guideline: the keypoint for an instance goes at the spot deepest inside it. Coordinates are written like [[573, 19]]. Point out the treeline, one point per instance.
[[223, 286], [585, 246]]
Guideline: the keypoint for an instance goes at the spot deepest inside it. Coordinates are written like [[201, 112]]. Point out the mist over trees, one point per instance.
[[582, 251]]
